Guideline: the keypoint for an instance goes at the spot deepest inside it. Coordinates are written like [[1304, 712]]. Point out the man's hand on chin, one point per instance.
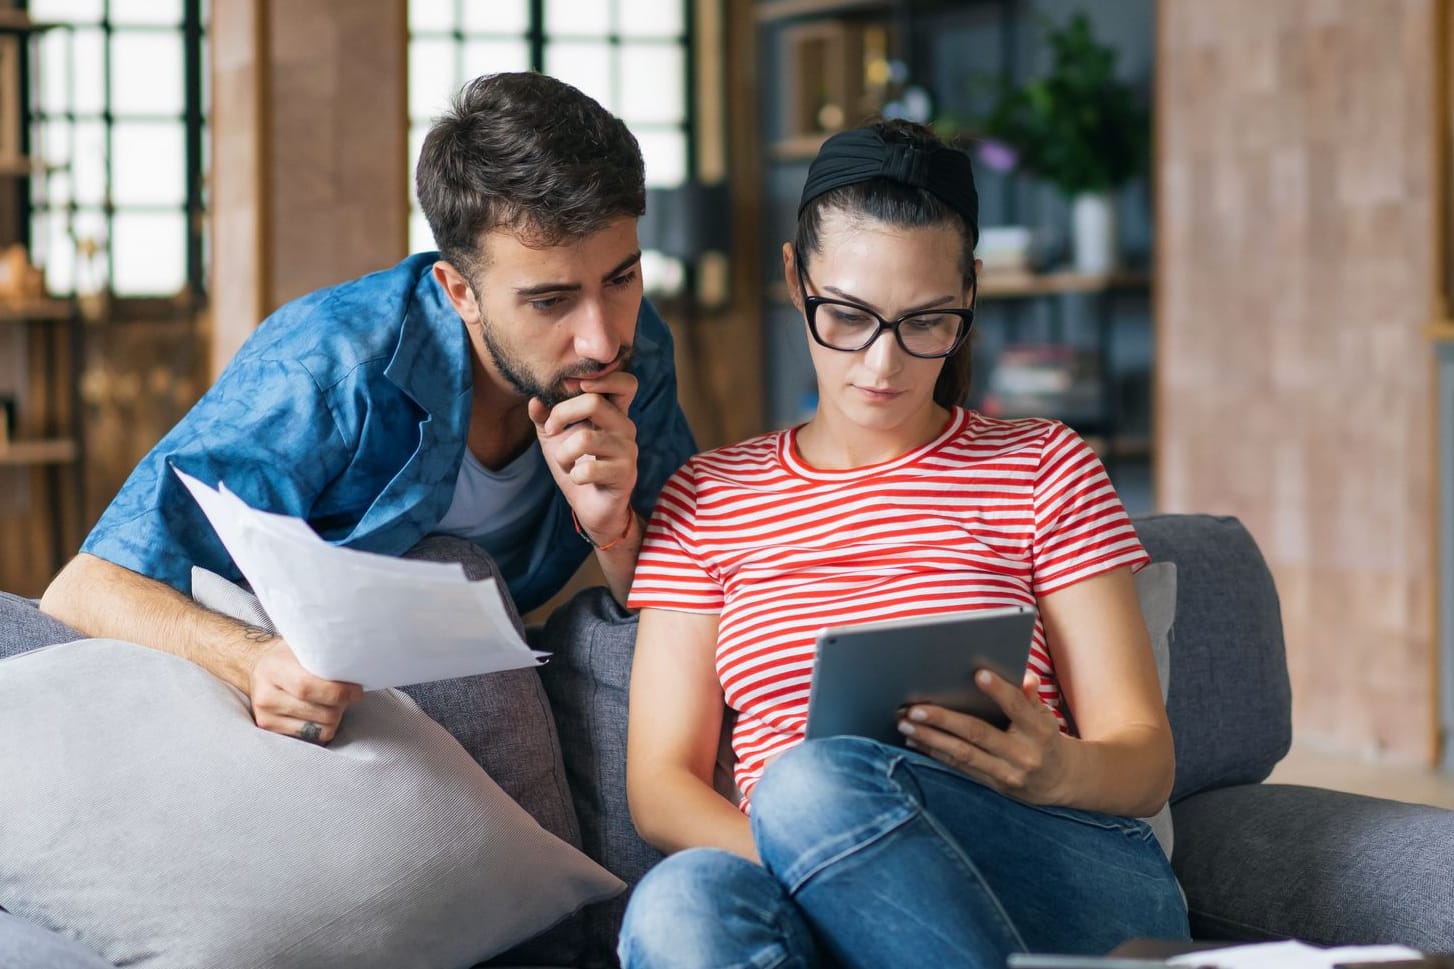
[[589, 444]]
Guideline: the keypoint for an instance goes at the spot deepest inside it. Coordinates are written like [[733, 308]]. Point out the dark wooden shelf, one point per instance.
[[801, 148], [1006, 285], [1441, 331], [19, 166], [774, 11], [19, 454], [1019, 285], [769, 11], [19, 22], [36, 311], [1125, 447]]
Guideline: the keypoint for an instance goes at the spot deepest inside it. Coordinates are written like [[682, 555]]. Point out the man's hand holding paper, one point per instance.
[[288, 699], [350, 621]]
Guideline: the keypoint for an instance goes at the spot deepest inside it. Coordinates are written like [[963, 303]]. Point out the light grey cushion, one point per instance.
[[212, 591], [25, 945], [502, 719], [1156, 593], [150, 820]]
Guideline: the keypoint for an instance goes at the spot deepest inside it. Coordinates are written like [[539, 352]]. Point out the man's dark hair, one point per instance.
[[905, 206], [530, 153]]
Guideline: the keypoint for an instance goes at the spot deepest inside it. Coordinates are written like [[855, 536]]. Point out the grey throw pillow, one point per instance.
[[502, 719], [1156, 592], [148, 818]]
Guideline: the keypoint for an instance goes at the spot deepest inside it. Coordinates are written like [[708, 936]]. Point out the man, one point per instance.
[[495, 391]]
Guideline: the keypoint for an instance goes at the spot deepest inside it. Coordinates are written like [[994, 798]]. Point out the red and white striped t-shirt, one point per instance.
[[990, 513]]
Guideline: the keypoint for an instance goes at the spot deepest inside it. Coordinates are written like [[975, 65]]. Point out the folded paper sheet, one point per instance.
[[359, 617]]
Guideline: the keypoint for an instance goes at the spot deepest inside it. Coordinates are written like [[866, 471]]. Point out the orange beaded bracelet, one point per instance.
[[630, 517]]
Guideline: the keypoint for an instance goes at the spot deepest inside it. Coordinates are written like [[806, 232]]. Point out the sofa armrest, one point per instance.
[[1267, 861]]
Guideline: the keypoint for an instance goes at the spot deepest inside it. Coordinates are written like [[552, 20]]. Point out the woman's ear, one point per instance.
[[790, 276], [971, 295]]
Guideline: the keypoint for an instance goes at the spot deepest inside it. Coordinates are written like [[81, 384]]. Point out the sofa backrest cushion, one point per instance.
[[24, 627], [592, 641], [1229, 702]]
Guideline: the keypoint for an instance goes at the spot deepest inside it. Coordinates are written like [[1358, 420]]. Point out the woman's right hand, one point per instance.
[[1026, 760]]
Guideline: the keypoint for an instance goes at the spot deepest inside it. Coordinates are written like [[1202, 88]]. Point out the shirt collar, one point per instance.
[[431, 362]]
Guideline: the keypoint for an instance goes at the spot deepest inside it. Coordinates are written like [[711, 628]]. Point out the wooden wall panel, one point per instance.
[[141, 376], [310, 152], [1295, 276], [26, 557], [338, 179]]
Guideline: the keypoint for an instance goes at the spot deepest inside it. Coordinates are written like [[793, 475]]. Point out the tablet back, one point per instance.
[[865, 674]]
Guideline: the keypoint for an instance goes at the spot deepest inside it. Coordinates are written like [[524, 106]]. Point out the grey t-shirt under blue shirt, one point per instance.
[[496, 509]]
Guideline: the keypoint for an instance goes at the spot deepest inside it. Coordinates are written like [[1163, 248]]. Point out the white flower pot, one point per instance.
[[1093, 232]]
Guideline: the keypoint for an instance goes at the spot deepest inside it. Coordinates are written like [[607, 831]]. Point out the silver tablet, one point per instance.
[[865, 674]]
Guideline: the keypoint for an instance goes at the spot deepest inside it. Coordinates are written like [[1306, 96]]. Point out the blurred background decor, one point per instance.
[[1079, 128], [178, 168]]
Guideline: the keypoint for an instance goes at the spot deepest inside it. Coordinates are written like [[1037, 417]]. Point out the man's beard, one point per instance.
[[518, 374]]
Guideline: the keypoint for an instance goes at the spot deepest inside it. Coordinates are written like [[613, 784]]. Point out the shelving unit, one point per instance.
[[41, 459], [23, 454], [1005, 285], [774, 11], [37, 311], [1096, 313], [17, 167]]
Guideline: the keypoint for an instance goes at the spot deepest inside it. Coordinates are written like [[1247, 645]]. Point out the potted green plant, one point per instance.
[[1078, 127]]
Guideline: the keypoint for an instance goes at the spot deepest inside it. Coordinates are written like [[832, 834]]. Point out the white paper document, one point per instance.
[[1291, 955], [359, 617]]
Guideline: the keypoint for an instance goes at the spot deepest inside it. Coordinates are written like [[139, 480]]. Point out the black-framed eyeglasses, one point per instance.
[[840, 325]]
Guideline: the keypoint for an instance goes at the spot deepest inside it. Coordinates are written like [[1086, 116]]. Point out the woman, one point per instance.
[[970, 842]]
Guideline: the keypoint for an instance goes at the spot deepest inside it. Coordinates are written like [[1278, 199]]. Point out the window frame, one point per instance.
[[36, 205], [537, 39]]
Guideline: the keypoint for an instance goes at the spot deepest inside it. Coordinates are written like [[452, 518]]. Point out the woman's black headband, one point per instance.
[[850, 157]]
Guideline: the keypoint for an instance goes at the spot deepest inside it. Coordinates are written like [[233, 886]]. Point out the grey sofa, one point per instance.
[[1257, 861]]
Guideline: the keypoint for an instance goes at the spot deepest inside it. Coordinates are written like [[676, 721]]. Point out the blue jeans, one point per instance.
[[878, 856]]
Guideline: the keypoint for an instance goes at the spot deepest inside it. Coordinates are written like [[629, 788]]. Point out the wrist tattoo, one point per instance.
[[257, 634]]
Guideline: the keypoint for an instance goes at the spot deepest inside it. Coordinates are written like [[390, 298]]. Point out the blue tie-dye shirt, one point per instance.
[[350, 408]]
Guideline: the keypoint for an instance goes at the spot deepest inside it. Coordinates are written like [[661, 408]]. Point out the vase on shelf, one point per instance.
[[1093, 234]]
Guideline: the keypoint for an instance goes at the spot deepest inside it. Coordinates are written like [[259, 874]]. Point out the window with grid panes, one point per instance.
[[117, 104], [630, 55]]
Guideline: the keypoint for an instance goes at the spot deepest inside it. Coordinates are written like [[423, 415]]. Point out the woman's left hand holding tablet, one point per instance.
[[1026, 760]]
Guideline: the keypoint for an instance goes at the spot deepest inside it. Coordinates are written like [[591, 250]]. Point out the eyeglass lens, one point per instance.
[[843, 326]]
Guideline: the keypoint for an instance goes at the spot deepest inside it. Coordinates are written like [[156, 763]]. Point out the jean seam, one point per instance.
[[844, 845], [957, 854], [945, 842]]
